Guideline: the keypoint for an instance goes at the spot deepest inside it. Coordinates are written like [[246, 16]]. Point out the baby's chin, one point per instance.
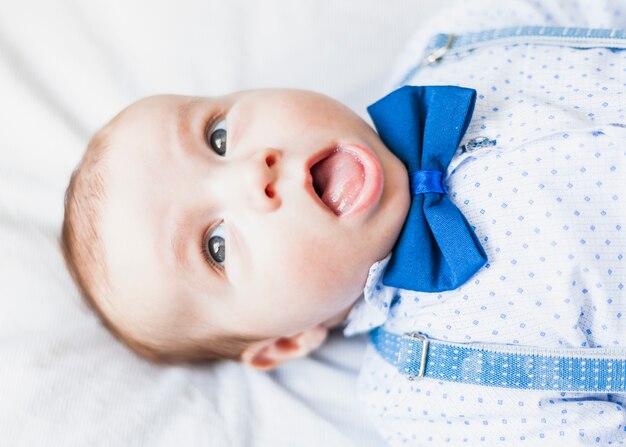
[[340, 318]]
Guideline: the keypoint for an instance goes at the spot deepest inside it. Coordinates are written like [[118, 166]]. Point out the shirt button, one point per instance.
[[478, 143]]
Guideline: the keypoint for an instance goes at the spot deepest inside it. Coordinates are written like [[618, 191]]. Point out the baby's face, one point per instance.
[[212, 220]]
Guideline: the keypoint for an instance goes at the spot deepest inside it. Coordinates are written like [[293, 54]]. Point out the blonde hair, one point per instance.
[[83, 251]]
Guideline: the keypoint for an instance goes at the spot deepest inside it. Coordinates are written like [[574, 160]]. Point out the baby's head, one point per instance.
[[236, 227]]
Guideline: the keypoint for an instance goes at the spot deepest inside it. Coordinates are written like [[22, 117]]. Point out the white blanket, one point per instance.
[[65, 68]]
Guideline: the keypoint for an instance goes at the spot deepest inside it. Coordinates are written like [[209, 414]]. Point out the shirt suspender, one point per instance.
[[444, 45], [590, 370]]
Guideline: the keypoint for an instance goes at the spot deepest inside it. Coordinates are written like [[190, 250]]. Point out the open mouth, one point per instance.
[[338, 179]]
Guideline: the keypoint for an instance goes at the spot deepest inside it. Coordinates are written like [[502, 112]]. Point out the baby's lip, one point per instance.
[[372, 187], [308, 183]]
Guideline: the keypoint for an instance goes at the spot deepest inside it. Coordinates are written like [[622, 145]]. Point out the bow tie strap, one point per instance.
[[437, 249]]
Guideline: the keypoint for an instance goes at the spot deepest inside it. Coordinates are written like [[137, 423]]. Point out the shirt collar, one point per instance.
[[372, 310]]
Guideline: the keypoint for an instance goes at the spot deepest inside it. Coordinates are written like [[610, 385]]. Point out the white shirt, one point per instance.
[[548, 203]]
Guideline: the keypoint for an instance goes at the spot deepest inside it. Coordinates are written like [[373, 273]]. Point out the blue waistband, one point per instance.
[[444, 45], [591, 370]]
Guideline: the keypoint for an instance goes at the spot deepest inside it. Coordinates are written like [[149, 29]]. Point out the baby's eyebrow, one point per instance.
[[183, 118], [180, 235], [179, 242], [180, 228]]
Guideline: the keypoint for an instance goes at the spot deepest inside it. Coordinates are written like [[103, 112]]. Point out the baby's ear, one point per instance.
[[269, 353]]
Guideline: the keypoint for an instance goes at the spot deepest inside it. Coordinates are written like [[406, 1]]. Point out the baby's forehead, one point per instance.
[[150, 111], [144, 128], [139, 182]]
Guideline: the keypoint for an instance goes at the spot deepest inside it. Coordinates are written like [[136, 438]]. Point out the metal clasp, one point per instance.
[[424, 340], [478, 143], [437, 54]]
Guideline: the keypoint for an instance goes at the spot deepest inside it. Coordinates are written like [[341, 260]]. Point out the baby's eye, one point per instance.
[[216, 137], [214, 246]]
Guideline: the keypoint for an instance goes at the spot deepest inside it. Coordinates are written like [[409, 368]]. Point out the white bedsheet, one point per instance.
[[65, 68]]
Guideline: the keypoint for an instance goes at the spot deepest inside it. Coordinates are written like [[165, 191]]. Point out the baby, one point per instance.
[[246, 226], [198, 229]]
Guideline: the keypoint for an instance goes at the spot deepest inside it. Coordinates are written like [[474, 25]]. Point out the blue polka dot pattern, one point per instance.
[[543, 186]]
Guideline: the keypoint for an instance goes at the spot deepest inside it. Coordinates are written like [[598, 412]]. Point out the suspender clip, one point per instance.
[[436, 55], [413, 340]]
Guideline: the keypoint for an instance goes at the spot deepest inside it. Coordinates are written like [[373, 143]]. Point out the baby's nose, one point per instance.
[[258, 180]]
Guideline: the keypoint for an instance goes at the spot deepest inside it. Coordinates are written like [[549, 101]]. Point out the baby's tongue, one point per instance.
[[338, 180]]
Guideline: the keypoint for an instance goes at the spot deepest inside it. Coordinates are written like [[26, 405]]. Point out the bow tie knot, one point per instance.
[[426, 180], [437, 249]]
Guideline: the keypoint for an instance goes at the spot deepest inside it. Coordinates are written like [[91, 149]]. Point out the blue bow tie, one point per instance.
[[423, 126]]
